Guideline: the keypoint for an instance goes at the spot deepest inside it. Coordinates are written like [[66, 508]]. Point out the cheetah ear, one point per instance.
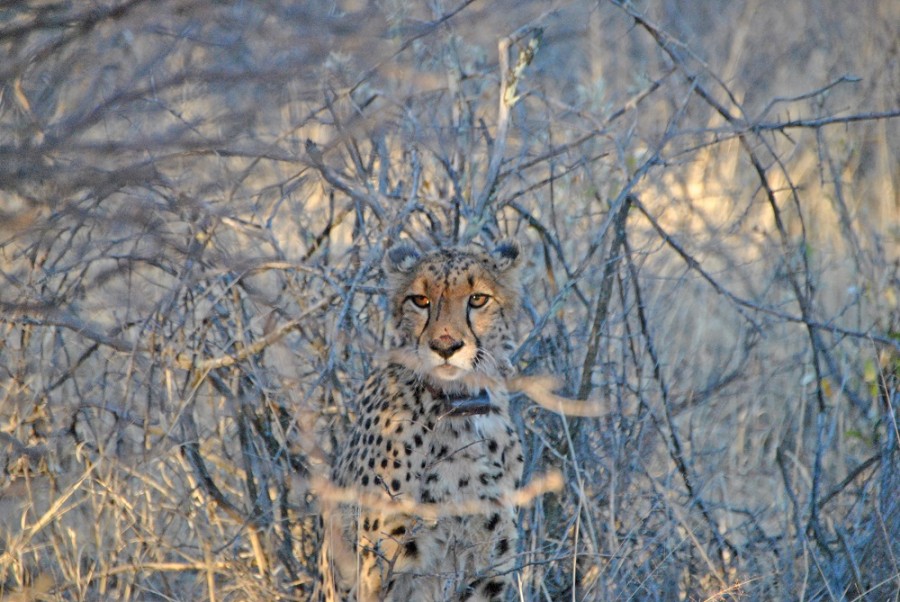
[[506, 255], [401, 259]]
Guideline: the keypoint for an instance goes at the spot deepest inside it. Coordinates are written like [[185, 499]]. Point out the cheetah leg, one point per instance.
[[497, 555], [391, 568]]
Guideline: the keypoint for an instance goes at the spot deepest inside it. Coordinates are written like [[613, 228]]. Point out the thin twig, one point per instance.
[[676, 449], [186, 362], [601, 307], [508, 97]]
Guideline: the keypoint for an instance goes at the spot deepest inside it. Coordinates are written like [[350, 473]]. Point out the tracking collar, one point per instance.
[[462, 404]]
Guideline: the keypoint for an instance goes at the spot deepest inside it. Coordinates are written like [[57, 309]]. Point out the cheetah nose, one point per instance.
[[445, 346]]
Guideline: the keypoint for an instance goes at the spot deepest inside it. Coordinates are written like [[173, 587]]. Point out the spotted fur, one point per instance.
[[452, 311]]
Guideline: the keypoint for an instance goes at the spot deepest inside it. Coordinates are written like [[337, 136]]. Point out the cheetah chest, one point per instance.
[[409, 448]]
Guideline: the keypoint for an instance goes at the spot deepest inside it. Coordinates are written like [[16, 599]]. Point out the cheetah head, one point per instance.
[[452, 308]]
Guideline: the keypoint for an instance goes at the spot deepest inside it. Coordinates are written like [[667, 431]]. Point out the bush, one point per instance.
[[198, 197]]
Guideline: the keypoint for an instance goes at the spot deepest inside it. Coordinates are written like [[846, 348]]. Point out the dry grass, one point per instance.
[[196, 199]]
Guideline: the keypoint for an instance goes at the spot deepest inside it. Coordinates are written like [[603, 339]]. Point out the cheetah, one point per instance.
[[433, 430]]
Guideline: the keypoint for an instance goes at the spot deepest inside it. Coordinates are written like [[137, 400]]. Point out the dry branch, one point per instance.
[[203, 366], [510, 78], [331, 494]]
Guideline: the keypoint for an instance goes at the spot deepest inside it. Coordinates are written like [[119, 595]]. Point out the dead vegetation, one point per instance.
[[197, 196]]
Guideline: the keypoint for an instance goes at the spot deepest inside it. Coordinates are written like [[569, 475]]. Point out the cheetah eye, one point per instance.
[[420, 301], [478, 300]]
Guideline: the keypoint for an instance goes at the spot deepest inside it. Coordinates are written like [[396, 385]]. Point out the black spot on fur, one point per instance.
[[493, 588], [411, 549]]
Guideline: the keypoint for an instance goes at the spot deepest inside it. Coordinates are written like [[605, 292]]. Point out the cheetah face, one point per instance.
[[451, 308]]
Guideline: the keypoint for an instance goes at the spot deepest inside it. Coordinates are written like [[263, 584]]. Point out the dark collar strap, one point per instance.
[[461, 404]]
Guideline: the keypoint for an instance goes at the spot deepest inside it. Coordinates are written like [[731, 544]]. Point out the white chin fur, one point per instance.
[[448, 372]]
